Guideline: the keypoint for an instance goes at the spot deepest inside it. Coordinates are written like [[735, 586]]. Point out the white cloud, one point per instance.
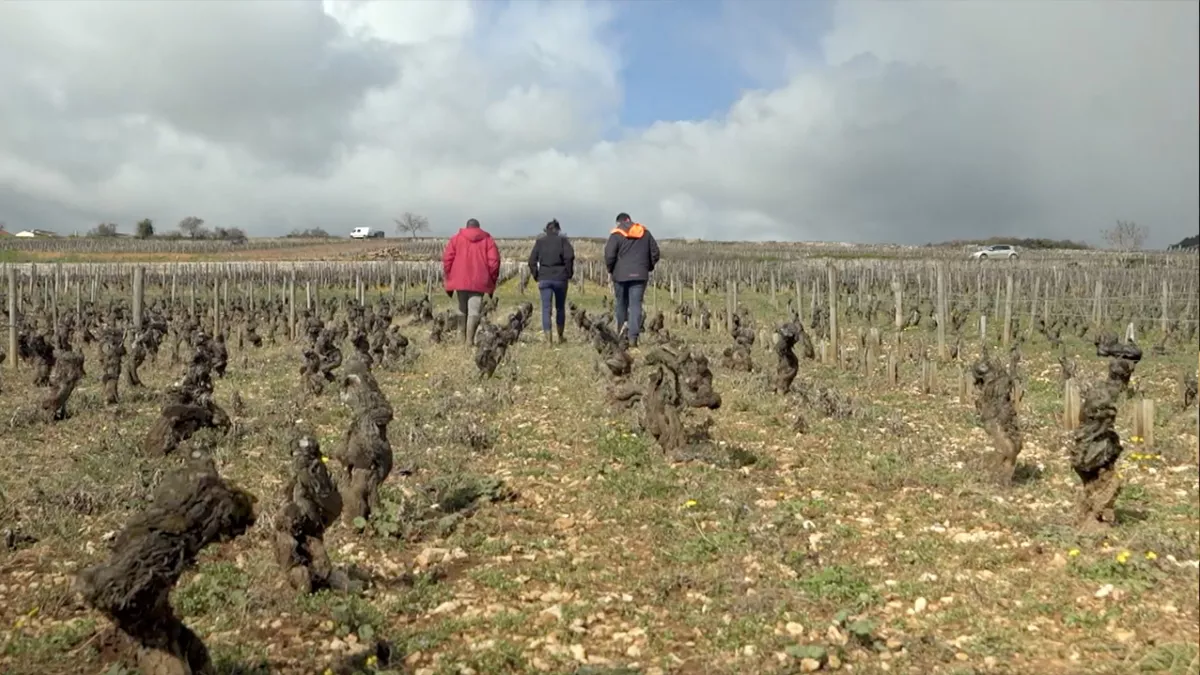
[[921, 121]]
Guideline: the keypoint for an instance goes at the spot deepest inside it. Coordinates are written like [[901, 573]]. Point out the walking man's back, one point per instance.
[[471, 265], [630, 255]]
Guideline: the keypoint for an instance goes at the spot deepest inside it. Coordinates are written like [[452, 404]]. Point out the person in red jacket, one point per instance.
[[471, 265]]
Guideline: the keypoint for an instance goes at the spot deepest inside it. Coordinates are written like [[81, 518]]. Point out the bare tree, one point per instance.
[[412, 224], [191, 226], [103, 231], [233, 234], [1126, 236]]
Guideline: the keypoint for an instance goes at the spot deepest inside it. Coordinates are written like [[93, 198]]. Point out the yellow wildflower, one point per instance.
[[1123, 557], [690, 503], [372, 661], [1135, 439], [324, 459], [328, 671], [1151, 555], [1073, 553]]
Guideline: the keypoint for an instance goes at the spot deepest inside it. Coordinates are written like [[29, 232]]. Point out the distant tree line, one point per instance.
[[310, 233], [189, 228], [1026, 243], [195, 229], [1186, 243]]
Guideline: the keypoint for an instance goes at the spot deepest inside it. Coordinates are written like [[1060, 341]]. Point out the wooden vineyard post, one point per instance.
[[730, 304], [799, 302], [52, 291], [1130, 334], [812, 299], [872, 360], [941, 312], [216, 306], [928, 375], [291, 291], [35, 302], [1072, 404], [898, 292], [1046, 305], [983, 328], [12, 318], [893, 370], [964, 384], [139, 290], [1033, 304], [1164, 322], [1008, 297], [995, 316], [833, 308], [1143, 422]]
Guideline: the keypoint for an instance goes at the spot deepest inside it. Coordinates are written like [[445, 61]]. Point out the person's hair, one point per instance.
[[553, 226], [623, 217], [472, 223]]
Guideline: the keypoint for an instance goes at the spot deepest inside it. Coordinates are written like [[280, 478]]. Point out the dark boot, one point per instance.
[[560, 334], [548, 337]]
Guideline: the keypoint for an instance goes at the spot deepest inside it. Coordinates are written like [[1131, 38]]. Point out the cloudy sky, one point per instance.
[[854, 121]]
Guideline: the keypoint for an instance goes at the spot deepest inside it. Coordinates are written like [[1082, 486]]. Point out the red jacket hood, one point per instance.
[[473, 234]]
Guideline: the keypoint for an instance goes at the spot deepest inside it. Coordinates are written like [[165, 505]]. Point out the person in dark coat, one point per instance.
[[630, 255], [552, 266]]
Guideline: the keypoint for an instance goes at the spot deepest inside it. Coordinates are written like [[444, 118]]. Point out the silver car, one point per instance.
[[998, 251]]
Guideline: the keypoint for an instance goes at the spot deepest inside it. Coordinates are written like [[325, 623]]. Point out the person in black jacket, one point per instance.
[[552, 265], [630, 255]]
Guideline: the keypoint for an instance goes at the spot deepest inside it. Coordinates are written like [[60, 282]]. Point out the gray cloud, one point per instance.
[[916, 122], [277, 80]]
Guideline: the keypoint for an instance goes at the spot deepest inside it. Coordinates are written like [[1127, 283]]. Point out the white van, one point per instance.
[[365, 233]]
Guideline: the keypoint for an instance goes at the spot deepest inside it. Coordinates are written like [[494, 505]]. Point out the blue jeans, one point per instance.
[[558, 291], [628, 305]]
